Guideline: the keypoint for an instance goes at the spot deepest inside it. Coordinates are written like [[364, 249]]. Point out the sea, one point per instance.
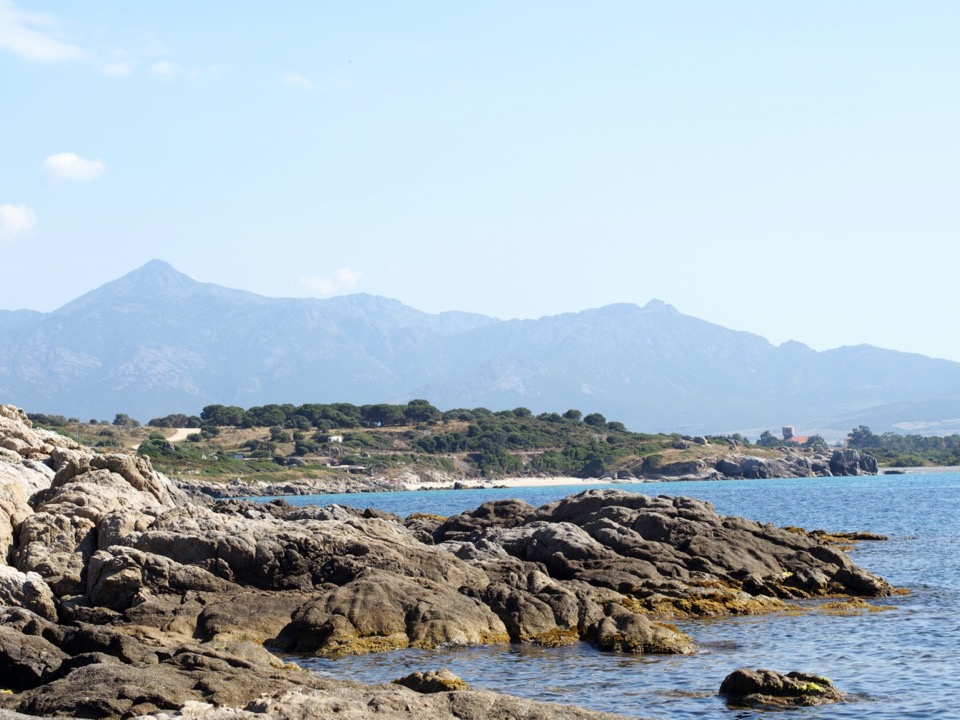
[[900, 660]]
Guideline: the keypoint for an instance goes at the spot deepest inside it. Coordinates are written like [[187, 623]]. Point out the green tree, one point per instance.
[[265, 416], [862, 437], [383, 414], [421, 411], [124, 420], [595, 420], [222, 415], [279, 435], [768, 439]]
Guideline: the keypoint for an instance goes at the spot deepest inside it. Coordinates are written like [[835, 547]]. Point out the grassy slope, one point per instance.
[[390, 451]]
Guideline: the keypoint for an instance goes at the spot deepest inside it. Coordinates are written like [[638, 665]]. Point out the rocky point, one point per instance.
[[121, 595]]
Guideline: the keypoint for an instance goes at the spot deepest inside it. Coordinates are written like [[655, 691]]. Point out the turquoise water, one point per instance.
[[901, 663]]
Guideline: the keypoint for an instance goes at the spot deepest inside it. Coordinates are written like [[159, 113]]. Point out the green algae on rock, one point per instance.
[[768, 688]]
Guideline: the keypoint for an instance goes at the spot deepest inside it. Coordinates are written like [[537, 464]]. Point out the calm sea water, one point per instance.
[[900, 663]]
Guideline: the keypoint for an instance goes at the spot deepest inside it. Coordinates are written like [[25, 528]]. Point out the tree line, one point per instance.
[[494, 442], [330, 416], [906, 450]]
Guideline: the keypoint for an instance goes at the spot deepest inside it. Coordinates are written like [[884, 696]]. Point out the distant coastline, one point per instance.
[[514, 482], [239, 489]]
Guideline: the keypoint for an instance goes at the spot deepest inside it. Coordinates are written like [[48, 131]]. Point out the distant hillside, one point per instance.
[[156, 342]]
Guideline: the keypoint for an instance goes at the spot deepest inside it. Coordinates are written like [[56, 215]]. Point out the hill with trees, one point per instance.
[[334, 441]]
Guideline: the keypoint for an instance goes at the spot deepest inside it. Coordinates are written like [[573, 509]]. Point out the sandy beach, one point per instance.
[[548, 481]]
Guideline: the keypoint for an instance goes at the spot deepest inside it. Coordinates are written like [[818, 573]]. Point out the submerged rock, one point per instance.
[[768, 688], [432, 681]]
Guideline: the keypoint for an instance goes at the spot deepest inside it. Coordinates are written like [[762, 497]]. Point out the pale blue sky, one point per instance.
[[790, 169]]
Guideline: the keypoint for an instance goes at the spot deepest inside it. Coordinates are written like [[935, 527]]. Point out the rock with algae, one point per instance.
[[768, 688], [433, 681]]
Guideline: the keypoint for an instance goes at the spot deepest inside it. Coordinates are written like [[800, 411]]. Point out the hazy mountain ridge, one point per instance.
[[155, 342]]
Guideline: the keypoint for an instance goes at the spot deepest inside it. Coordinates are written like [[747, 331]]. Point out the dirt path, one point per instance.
[[182, 434], [178, 435]]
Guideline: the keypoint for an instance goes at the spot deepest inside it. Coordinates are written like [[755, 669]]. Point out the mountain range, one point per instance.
[[156, 342]]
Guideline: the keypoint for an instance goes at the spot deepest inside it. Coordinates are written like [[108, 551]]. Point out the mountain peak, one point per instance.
[[158, 274], [655, 305], [156, 280], [156, 266]]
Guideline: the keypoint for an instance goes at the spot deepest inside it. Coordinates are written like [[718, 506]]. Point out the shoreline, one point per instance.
[[410, 483], [549, 481], [511, 482], [919, 470]]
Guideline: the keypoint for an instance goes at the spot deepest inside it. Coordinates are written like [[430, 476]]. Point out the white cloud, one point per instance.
[[31, 36], [164, 70], [69, 167], [118, 69], [297, 80], [16, 221], [344, 279]]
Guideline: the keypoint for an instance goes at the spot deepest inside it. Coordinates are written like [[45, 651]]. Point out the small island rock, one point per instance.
[[768, 688]]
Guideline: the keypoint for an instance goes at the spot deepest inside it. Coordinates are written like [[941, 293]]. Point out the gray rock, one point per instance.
[[351, 701], [27, 660], [768, 688], [852, 462], [432, 681], [27, 590]]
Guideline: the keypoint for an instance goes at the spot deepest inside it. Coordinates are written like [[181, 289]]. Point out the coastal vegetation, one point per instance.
[[906, 450], [283, 441]]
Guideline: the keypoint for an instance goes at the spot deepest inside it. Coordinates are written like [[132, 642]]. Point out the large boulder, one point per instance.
[[27, 590], [27, 660], [18, 435], [379, 610], [851, 462], [58, 539], [20, 479]]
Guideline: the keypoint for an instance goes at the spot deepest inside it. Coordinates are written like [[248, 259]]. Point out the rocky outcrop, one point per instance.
[[787, 462], [351, 701], [96, 671], [770, 689], [577, 560], [852, 462], [116, 579], [790, 464], [306, 486], [27, 590]]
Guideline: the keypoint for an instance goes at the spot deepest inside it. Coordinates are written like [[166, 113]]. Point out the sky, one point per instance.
[[788, 169]]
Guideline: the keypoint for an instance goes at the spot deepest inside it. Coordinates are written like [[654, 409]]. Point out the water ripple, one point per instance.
[[901, 663]]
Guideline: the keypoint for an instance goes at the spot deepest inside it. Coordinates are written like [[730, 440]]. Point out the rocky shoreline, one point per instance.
[[722, 466], [122, 595]]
